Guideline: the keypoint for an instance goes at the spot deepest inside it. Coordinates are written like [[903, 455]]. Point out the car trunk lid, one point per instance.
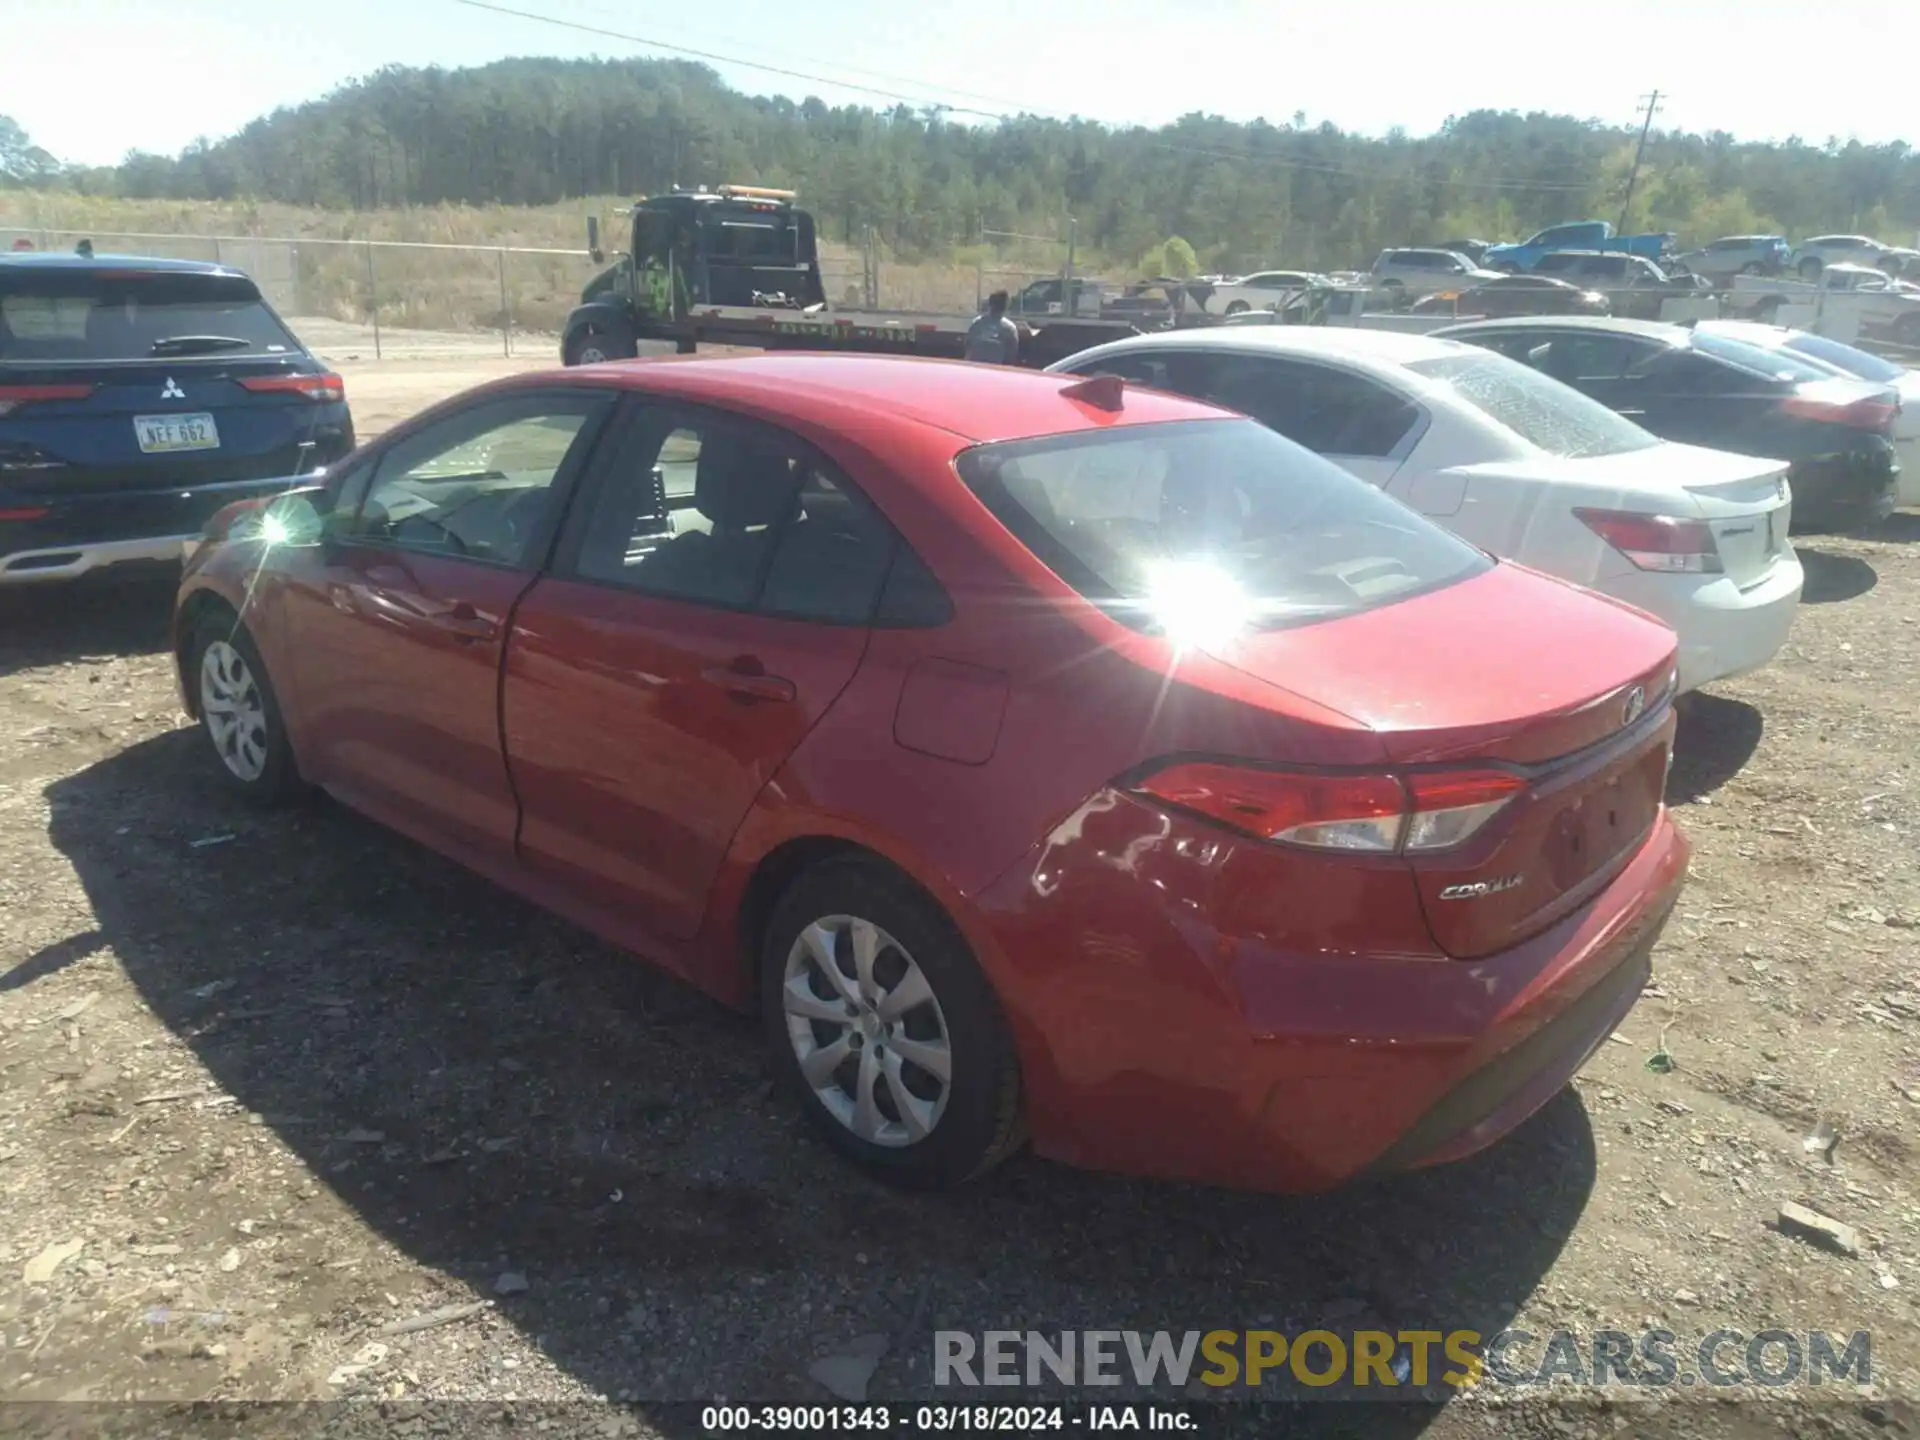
[[1744, 499], [1587, 726]]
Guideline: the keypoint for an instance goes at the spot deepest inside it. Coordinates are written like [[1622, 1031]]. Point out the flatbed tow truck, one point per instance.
[[739, 265]]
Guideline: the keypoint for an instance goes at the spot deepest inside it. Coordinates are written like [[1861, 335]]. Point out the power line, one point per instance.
[[923, 102], [714, 56]]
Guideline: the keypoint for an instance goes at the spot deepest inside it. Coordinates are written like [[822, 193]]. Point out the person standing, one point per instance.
[[993, 339]]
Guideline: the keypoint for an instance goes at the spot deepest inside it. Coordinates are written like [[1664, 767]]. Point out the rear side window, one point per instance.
[[1554, 417], [1558, 261], [80, 314], [1775, 364], [1852, 360], [1151, 522]]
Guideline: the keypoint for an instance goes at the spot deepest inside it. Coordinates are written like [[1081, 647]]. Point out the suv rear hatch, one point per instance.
[[123, 378]]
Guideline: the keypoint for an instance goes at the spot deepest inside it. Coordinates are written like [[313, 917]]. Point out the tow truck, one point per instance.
[[739, 265]]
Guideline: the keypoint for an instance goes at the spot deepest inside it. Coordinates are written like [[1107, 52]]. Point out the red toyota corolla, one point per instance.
[[1040, 756]]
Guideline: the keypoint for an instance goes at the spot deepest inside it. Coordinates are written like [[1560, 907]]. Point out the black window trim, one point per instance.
[[366, 469], [641, 417]]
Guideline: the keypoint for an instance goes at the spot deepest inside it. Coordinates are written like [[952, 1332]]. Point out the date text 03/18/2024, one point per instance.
[[946, 1419]]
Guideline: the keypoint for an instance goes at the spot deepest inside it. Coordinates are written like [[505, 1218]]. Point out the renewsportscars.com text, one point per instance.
[[1381, 1360]]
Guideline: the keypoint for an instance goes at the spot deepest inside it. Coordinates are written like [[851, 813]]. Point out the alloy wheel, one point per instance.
[[868, 1031], [234, 709]]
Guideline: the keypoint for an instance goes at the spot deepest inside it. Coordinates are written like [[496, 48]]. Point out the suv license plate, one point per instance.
[[163, 434]]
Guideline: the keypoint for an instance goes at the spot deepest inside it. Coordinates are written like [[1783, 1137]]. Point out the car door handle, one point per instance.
[[466, 623], [748, 686]]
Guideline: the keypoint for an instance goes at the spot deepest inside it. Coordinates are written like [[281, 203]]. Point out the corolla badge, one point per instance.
[[1636, 702], [1483, 887], [171, 391]]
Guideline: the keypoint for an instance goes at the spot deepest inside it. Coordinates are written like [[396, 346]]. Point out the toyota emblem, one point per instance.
[[1636, 702]]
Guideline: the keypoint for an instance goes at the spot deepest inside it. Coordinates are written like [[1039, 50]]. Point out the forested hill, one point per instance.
[[533, 131]]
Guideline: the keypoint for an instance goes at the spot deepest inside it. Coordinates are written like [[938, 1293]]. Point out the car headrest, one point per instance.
[[738, 484]]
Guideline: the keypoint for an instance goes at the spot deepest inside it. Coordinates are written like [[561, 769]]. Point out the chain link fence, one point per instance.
[[380, 299]]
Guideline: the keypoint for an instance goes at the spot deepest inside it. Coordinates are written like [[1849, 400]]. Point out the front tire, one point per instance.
[[882, 1025], [1810, 269], [595, 345], [240, 713]]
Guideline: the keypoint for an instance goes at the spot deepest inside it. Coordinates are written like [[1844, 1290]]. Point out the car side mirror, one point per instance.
[[598, 255]]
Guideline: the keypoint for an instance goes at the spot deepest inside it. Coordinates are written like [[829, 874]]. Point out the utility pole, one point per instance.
[[1653, 105]]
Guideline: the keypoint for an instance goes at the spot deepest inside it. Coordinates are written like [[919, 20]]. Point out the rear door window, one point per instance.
[[1150, 521], [80, 314], [1331, 412]]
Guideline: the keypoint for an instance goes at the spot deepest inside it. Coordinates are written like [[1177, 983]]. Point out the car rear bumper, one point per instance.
[[1838, 492], [1724, 630], [1196, 1055], [70, 562], [78, 533]]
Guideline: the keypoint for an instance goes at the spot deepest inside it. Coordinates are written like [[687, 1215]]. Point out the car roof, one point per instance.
[[976, 403], [67, 260], [1610, 324], [1336, 342]]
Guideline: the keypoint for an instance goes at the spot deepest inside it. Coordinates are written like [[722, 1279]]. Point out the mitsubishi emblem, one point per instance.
[[1636, 702], [171, 391]]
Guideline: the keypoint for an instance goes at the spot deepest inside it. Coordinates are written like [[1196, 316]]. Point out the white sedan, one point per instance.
[[1517, 463], [1844, 359]]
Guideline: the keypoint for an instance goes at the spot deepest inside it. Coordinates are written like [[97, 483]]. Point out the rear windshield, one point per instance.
[[1854, 362], [1778, 364], [1550, 416], [1217, 521], [78, 315]]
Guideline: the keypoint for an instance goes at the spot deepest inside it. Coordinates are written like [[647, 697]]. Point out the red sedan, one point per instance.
[[1040, 756]]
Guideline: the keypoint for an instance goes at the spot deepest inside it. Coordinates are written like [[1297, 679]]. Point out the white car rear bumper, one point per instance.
[[1724, 631]]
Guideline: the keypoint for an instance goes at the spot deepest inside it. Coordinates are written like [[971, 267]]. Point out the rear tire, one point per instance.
[[863, 1052], [240, 713], [1753, 267], [1810, 269], [1238, 307], [1907, 330]]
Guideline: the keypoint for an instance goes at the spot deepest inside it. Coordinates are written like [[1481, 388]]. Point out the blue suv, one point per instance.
[[138, 397]]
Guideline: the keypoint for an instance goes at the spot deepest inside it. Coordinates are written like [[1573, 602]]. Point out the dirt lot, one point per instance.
[[271, 1083]]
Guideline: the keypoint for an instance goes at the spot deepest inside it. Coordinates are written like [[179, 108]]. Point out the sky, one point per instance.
[[183, 69]]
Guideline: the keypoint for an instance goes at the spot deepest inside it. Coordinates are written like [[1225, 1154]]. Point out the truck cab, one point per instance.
[[1574, 235], [736, 245]]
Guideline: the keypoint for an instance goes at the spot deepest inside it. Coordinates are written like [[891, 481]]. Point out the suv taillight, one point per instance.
[[1675, 544], [12, 397], [1374, 813], [314, 387]]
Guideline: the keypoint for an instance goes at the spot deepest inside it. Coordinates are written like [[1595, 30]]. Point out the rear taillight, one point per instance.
[[1372, 813], [313, 387], [1869, 414], [22, 513], [12, 397], [1671, 543]]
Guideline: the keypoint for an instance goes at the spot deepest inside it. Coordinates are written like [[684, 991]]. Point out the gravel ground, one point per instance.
[[270, 1084]]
